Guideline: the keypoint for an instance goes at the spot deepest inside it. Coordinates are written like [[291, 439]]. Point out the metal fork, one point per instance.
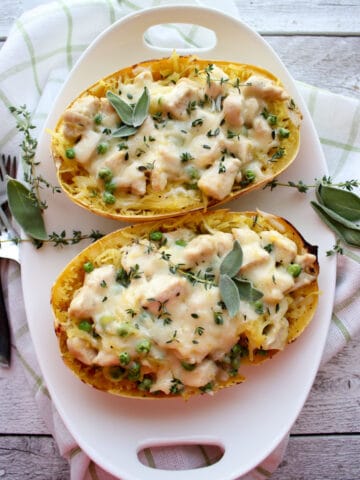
[[8, 249]]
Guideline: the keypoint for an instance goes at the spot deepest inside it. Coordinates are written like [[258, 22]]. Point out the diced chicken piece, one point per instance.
[[164, 380], [233, 107], [109, 117], [240, 146], [284, 249], [106, 359], [216, 82], [176, 101], [253, 253], [276, 335], [161, 289], [81, 350], [224, 242], [79, 117], [200, 249], [167, 166], [302, 280], [115, 162], [136, 254], [158, 180], [137, 143], [205, 156], [305, 260], [143, 78], [86, 146], [261, 134], [200, 376], [218, 180], [87, 299], [252, 108], [263, 88], [273, 283], [132, 178]]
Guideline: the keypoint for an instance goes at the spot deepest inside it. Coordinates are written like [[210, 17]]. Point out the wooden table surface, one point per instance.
[[319, 41]]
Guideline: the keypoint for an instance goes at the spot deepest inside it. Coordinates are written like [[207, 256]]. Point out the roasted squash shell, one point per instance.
[[214, 131], [245, 347]]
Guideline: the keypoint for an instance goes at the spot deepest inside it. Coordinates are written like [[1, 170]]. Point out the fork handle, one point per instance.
[[5, 341]]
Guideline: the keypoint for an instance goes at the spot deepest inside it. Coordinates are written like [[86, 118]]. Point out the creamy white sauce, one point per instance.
[[168, 299], [219, 130]]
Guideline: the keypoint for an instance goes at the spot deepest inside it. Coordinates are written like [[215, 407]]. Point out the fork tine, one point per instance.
[[5, 222], [11, 166], [2, 169]]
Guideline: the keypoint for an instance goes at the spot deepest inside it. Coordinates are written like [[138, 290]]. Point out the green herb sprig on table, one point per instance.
[[337, 206], [25, 202]]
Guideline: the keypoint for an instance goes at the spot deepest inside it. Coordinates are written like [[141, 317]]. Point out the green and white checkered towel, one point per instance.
[[42, 46]]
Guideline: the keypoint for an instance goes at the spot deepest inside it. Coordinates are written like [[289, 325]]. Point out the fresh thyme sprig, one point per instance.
[[28, 149], [58, 239], [337, 206], [303, 187]]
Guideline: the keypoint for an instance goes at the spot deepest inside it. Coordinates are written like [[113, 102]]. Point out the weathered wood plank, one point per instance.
[[31, 457], [333, 404], [279, 16], [19, 412], [321, 458], [331, 63]]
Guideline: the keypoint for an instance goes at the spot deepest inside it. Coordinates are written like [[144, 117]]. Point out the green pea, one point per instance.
[[102, 148], [181, 242], [188, 366], [155, 236], [70, 153], [88, 267], [145, 385], [85, 325], [98, 119], [124, 358], [250, 175], [109, 198], [283, 132], [134, 371], [272, 119], [294, 269], [143, 346], [105, 174]]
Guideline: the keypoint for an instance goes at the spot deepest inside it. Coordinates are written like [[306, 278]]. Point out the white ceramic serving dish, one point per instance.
[[247, 421]]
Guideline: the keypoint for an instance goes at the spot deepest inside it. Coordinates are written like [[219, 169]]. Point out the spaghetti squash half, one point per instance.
[[176, 307], [165, 137]]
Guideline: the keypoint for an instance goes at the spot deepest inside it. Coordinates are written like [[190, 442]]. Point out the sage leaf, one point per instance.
[[229, 294], [124, 131], [25, 211], [348, 235], [246, 291], [141, 109], [344, 203], [123, 109], [232, 261], [340, 219]]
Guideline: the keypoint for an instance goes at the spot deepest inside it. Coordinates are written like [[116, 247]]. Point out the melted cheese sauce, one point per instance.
[[159, 315], [205, 133]]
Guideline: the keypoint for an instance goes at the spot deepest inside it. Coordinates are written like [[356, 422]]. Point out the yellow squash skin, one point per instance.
[[302, 304], [86, 190]]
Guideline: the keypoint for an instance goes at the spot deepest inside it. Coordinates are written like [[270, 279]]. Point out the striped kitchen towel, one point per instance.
[[42, 46]]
